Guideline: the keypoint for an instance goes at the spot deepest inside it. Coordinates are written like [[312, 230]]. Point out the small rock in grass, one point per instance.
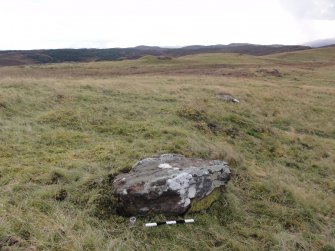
[[227, 97]]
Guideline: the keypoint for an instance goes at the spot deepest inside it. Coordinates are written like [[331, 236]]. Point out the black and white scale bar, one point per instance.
[[173, 222]]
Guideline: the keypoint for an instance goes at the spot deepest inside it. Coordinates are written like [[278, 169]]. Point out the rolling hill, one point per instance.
[[10, 58]]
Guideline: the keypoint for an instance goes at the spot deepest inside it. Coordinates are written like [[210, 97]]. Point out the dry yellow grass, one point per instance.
[[68, 126]]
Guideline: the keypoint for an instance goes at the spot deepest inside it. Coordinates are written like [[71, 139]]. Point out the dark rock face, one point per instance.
[[167, 184]]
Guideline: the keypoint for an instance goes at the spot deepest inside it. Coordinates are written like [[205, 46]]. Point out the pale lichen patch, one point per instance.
[[164, 166]]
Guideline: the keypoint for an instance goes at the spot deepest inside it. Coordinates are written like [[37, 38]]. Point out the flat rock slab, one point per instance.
[[167, 184]]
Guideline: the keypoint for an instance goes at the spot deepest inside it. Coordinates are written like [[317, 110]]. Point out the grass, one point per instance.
[[69, 127], [321, 55]]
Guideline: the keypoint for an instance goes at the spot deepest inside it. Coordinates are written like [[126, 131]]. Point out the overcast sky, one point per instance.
[[34, 24]]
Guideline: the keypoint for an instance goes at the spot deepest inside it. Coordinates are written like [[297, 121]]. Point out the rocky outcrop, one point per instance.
[[168, 184]]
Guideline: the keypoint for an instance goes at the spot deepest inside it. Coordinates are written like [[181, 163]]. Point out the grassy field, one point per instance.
[[64, 128]]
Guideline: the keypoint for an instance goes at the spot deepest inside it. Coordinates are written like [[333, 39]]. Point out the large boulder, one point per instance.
[[168, 184]]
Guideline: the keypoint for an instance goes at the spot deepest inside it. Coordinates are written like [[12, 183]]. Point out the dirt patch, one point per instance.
[[233, 132], [55, 178], [164, 58], [193, 114], [60, 96], [8, 242], [61, 195], [239, 74], [213, 70], [3, 105], [273, 72]]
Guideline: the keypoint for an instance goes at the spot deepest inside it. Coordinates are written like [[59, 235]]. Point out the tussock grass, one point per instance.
[[71, 127]]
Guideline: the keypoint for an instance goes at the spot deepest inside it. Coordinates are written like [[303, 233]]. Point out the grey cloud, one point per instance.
[[311, 9]]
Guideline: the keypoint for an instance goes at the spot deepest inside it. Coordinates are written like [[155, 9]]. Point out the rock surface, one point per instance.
[[167, 184], [227, 97]]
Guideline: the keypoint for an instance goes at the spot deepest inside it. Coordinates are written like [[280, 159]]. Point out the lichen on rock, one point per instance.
[[168, 184]]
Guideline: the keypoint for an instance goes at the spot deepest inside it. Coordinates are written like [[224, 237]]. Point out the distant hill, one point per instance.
[[9, 58], [249, 49], [322, 55], [322, 43]]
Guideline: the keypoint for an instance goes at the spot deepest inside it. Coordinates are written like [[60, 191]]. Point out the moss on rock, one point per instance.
[[204, 203]]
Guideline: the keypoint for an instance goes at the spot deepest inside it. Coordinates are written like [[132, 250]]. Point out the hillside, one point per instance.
[[67, 128], [11, 58], [321, 55]]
